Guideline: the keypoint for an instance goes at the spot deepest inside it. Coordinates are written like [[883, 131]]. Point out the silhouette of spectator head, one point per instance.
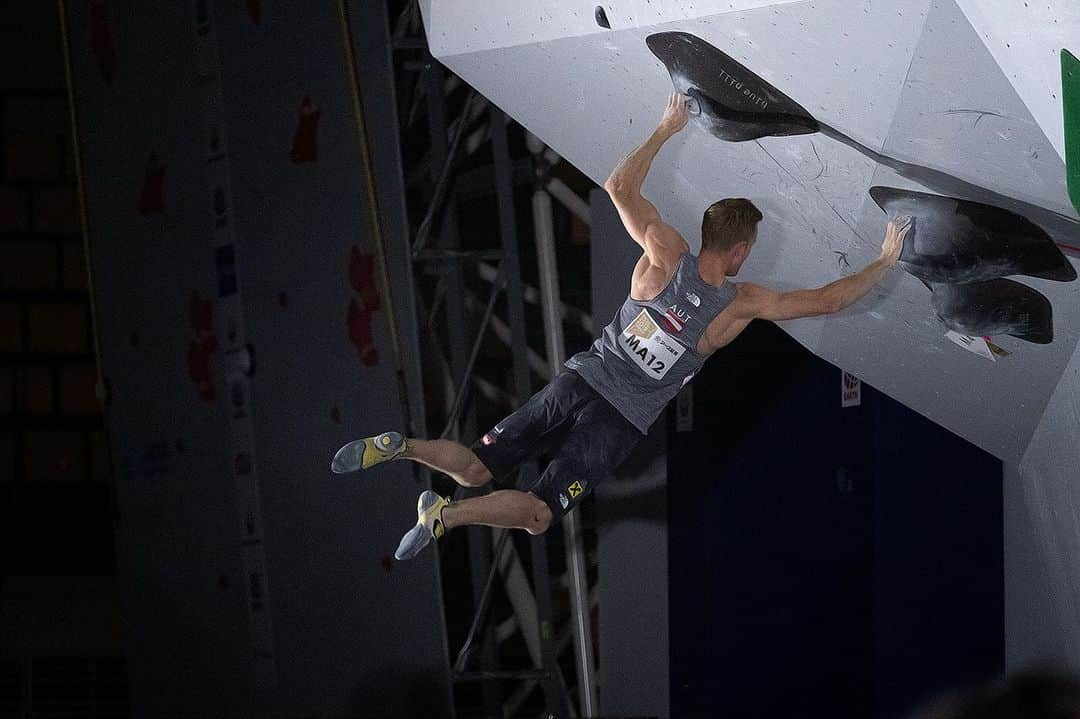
[[1032, 695]]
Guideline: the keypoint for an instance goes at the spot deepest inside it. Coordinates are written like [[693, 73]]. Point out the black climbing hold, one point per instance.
[[733, 103], [963, 241], [601, 17], [996, 307]]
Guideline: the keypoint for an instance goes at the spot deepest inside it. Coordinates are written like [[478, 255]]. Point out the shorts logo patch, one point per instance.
[[575, 489], [497, 429], [564, 501], [487, 440]]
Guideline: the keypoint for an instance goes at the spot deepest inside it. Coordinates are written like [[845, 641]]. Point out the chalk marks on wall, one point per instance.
[[961, 249], [737, 105]]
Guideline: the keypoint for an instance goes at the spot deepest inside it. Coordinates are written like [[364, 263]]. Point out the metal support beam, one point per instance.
[[481, 610], [425, 230], [569, 199], [575, 553], [531, 295], [461, 423], [555, 698], [435, 251], [501, 330]]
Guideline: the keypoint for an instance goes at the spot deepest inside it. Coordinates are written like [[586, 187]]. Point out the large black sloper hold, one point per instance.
[[735, 104], [963, 241], [995, 307]]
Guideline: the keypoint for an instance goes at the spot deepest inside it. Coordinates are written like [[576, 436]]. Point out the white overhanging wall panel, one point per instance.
[[593, 94], [952, 98]]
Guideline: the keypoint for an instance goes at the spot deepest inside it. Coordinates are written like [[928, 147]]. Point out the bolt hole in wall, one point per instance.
[[850, 555]]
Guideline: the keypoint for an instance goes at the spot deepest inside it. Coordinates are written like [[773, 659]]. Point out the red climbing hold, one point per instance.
[[362, 278], [101, 40], [152, 199], [360, 334], [305, 145], [254, 8], [203, 344]]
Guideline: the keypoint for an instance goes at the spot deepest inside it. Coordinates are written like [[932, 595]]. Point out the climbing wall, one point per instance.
[[245, 333], [804, 108], [830, 115]]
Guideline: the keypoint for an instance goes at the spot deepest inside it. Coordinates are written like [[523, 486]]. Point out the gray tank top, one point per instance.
[[649, 351]]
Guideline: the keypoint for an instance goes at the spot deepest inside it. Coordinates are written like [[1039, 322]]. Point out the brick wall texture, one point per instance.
[[50, 417]]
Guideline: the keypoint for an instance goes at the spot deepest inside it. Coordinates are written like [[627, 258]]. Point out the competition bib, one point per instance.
[[649, 347]]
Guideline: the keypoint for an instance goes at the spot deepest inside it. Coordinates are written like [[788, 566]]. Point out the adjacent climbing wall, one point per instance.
[[245, 332], [830, 115]]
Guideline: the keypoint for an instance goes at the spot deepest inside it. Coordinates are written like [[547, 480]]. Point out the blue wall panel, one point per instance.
[[817, 551]]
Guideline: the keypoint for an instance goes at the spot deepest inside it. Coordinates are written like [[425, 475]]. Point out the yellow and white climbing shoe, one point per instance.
[[367, 452], [429, 525]]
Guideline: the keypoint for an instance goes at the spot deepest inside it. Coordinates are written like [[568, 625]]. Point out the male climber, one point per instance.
[[681, 308]]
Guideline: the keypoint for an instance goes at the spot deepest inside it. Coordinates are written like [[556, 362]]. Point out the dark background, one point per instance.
[[833, 562], [60, 617]]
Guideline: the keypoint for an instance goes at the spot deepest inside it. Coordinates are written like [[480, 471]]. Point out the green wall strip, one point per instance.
[[1070, 95]]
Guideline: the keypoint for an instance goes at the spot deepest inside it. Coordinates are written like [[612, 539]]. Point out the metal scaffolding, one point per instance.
[[471, 156]]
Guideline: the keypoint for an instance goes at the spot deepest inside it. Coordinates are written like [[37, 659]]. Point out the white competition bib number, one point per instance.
[[649, 347]]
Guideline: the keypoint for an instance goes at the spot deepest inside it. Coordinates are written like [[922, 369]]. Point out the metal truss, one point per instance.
[[455, 146]]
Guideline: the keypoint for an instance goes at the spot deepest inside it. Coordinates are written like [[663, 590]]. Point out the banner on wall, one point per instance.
[[238, 355]]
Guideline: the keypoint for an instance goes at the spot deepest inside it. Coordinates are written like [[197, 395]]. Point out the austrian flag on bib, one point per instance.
[[672, 322]]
